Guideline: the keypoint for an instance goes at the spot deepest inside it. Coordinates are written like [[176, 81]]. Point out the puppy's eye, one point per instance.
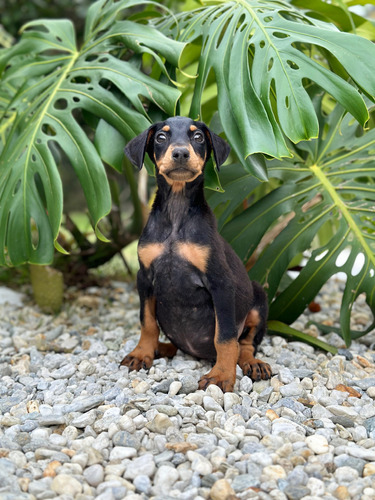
[[161, 137], [198, 137]]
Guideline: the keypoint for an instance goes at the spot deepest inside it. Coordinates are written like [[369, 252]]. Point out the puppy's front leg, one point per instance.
[[143, 355], [223, 374]]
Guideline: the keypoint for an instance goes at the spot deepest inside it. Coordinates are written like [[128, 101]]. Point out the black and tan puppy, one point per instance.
[[191, 283]]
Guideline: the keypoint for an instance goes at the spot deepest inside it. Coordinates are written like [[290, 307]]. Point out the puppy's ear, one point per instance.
[[136, 149], [220, 148]]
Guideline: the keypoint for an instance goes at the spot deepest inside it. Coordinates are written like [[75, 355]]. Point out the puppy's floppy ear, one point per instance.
[[136, 149], [220, 148]]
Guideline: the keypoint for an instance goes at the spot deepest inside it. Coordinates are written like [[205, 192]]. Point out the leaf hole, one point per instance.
[[81, 80], [34, 233], [17, 187], [321, 255], [292, 64], [48, 130], [76, 99], [103, 59], [40, 188], [262, 43], [91, 57], [33, 158], [39, 27], [39, 141], [343, 257], [270, 64], [358, 264], [58, 39], [268, 19], [372, 273], [287, 102], [60, 104], [279, 34]]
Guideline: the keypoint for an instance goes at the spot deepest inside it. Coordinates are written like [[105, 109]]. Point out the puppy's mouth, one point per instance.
[[180, 173]]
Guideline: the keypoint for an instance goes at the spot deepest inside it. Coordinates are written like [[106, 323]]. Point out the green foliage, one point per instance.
[[51, 79], [263, 54], [329, 183], [280, 79]]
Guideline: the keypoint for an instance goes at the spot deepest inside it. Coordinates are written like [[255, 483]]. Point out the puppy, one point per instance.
[[191, 284]]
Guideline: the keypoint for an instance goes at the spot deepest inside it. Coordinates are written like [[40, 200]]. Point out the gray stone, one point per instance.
[[65, 371], [94, 475], [363, 383], [345, 460], [245, 481], [189, 384], [296, 492], [142, 484], [144, 464], [84, 404], [51, 419], [344, 421], [162, 386], [346, 353], [124, 438]]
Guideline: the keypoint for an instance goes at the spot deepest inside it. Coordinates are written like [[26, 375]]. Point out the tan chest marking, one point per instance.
[[148, 253], [196, 254]]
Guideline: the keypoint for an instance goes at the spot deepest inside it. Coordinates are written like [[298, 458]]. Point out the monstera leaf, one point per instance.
[[264, 54], [328, 187], [53, 81]]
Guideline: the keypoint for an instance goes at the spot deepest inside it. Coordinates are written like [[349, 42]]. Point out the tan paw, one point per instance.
[[257, 370]]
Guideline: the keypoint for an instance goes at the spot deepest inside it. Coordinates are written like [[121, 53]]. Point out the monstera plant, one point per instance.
[[290, 85]]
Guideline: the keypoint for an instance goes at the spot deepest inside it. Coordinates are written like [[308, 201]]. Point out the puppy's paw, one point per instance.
[[134, 362], [257, 370], [223, 379]]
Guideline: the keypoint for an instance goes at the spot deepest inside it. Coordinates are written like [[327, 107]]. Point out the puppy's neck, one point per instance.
[[179, 199]]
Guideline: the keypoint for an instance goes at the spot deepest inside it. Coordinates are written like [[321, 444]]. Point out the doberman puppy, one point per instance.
[[191, 283]]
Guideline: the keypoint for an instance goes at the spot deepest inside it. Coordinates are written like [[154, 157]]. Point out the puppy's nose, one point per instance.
[[180, 154]]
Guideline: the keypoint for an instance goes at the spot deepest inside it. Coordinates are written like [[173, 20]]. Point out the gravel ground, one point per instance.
[[73, 424]]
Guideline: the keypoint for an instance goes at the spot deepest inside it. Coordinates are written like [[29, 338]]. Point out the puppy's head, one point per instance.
[[179, 148]]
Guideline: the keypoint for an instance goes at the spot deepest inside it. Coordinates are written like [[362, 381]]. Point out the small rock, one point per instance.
[[124, 438], [210, 404], [221, 490], [121, 452], [244, 482], [159, 423], [164, 478], [317, 443], [144, 464], [369, 469], [274, 472], [246, 384], [231, 399], [94, 475], [199, 463], [142, 484], [342, 493], [345, 475], [174, 388], [296, 492], [64, 484]]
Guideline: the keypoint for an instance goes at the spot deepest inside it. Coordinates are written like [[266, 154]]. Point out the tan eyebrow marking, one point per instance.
[[166, 128], [193, 127]]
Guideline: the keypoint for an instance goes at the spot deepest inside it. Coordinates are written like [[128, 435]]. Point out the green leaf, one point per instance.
[[54, 81], [335, 184], [260, 53]]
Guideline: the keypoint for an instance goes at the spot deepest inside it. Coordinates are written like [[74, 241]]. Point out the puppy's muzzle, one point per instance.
[[180, 169]]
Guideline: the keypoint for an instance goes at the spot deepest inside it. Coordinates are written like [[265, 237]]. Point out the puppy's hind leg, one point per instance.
[[254, 330]]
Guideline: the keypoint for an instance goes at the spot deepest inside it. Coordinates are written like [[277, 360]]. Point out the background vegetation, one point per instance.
[[291, 86]]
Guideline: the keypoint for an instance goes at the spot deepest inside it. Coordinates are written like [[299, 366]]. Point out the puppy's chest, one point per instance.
[[174, 252]]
